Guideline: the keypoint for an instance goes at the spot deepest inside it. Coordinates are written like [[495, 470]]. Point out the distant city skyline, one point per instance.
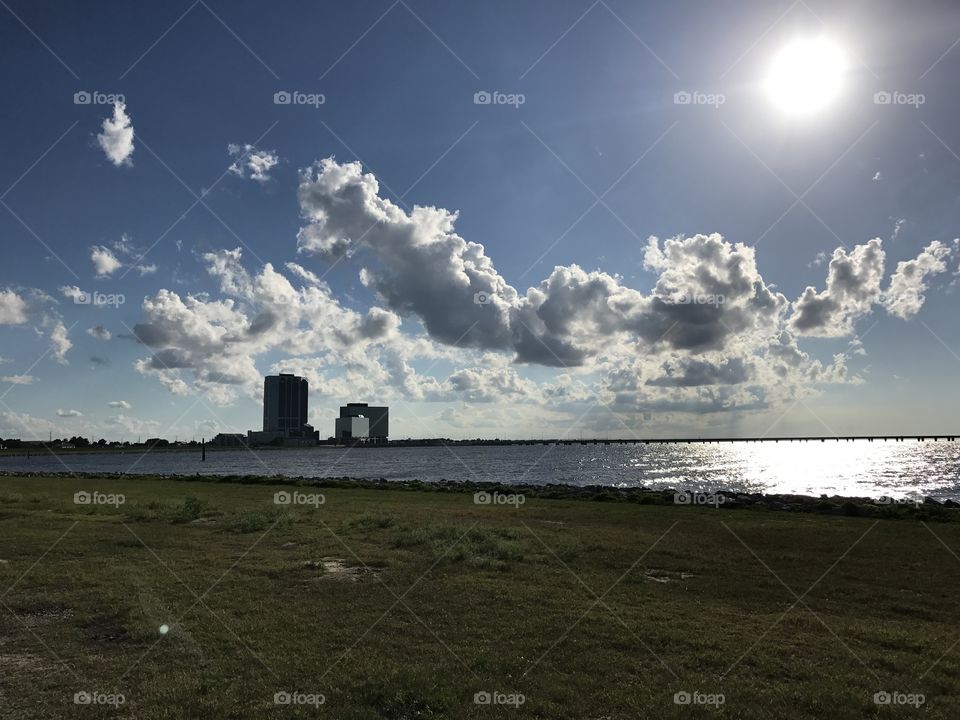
[[544, 218]]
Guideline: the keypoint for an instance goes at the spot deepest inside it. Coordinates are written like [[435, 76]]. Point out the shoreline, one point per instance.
[[851, 506]]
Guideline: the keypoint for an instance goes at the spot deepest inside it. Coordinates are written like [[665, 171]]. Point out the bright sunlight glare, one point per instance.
[[806, 76]]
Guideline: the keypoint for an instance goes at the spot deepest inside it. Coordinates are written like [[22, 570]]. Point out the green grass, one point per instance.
[[402, 604]]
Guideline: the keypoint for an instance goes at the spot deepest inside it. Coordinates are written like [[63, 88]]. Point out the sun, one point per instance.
[[806, 76]]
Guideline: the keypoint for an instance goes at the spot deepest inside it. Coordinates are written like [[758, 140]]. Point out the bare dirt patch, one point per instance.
[[666, 576], [333, 568]]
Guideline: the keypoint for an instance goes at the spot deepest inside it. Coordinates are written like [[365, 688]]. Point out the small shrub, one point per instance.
[[191, 509]]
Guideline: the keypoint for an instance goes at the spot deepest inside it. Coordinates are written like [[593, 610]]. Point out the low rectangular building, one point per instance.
[[379, 417]]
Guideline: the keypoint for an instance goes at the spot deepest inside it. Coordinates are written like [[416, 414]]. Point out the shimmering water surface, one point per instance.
[[858, 468]]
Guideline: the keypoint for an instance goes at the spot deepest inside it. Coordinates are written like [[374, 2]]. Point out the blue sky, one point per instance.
[[599, 119]]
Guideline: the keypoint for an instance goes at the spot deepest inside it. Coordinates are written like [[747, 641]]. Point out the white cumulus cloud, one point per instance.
[[249, 162], [116, 140], [904, 297], [104, 261]]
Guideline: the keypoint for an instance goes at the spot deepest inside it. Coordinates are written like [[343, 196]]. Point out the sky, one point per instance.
[[503, 219]]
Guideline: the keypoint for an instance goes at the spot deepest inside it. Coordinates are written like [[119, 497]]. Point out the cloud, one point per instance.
[[710, 334], [60, 343], [69, 413], [424, 267], [123, 404], [104, 261], [99, 332], [13, 308], [14, 424], [252, 163], [708, 288], [904, 296], [36, 309], [853, 287], [18, 379], [854, 283], [116, 140], [131, 425]]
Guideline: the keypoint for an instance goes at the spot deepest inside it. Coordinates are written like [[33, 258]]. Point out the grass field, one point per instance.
[[406, 604]]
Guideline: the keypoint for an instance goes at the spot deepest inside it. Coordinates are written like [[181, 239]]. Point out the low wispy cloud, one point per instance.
[[18, 379]]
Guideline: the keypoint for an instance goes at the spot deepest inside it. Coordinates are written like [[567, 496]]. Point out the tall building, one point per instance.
[[378, 418], [284, 402]]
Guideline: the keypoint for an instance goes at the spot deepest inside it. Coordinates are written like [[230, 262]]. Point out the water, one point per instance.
[[871, 469]]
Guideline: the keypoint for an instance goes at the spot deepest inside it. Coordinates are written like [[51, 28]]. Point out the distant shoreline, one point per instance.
[[476, 442]]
